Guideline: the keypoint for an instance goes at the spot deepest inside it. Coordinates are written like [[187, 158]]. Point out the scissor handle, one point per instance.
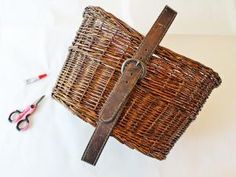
[[23, 124], [13, 116]]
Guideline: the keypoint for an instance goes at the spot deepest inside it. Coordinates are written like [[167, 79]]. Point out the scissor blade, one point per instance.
[[39, 100]]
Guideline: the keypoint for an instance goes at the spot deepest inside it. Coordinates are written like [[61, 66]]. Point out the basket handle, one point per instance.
[[131, 73]]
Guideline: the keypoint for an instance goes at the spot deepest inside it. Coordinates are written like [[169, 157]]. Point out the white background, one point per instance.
[[34, 38]]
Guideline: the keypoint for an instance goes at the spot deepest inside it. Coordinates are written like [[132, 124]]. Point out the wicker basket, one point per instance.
[[161, 106]]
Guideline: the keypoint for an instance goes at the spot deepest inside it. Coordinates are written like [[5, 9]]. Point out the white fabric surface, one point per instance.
[[34, 38]]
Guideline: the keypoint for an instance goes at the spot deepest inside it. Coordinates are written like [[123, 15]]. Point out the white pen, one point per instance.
[[34, 79]]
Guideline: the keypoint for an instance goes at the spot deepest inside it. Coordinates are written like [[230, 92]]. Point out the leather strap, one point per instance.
[[132, 69]]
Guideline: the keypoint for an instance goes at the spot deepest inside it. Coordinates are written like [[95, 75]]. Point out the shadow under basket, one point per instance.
[[162, 104]]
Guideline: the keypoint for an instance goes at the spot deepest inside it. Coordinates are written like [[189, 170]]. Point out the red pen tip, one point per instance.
[[42, 76]]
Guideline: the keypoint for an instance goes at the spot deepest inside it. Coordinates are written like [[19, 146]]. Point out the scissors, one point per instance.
[[22, 117]]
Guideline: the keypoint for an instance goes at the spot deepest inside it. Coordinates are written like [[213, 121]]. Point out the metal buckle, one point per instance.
[[138, 62]]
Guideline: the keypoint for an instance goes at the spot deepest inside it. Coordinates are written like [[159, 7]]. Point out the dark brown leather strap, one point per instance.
[[133, 69]]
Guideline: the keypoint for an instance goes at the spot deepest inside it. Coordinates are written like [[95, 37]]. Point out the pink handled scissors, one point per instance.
[[22, 117]]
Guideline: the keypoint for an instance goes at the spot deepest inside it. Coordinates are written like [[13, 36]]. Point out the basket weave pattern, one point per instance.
[[161, 106]]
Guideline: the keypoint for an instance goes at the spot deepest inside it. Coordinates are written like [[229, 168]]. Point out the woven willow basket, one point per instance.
[[161, 106]]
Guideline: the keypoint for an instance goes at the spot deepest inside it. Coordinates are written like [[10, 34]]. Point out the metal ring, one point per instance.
[[138, 62]]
